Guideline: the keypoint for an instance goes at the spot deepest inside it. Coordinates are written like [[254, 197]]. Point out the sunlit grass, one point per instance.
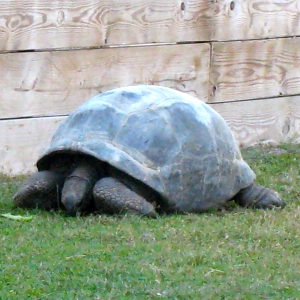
[[231, 254]]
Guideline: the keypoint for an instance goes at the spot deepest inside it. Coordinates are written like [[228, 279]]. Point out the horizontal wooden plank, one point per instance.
[[255, 19], [67, 24], [255, 69], [23, 141], [55, 83], [90, 23], [272, 120]]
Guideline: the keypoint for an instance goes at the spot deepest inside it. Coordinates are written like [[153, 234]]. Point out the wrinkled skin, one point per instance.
[[84, 186]]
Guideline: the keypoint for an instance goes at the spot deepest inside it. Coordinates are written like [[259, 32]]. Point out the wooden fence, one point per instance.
[[241, 56]]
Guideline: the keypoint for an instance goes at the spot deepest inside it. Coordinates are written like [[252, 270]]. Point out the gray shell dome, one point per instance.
[[172, 142]]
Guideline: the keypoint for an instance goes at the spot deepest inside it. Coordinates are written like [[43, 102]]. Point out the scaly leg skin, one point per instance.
[[256, 196], [42, 190], [112, 196]]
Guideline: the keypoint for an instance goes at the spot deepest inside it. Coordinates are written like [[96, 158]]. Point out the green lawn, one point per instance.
[[230, 254]]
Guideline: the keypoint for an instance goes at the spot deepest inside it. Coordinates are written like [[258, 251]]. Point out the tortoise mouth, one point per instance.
[[73, 208], [71, 212]]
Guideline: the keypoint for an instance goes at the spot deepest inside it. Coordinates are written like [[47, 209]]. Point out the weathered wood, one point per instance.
[[22, 141], [276, 120], [271, 120], [292, 123], [89, 23], [255, 19], [255, 69], [67, 24], [55, 83]]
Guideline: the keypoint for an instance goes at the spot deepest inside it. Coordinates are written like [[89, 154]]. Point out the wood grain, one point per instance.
[[255, 19], [55, 83], [42, 24], [89, 23], [22, 142], [255, 69], [273, 120]]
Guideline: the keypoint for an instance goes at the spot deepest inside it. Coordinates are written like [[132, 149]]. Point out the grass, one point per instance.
[[230, 254]]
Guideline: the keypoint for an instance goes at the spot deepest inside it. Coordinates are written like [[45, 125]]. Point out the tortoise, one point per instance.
[[143, 150]]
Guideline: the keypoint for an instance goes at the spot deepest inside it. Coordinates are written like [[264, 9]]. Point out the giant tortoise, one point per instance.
[[143, 150]]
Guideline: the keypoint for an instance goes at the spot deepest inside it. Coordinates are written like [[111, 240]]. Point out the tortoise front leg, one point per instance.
[[42, 190], [257, 196], [112, 196]]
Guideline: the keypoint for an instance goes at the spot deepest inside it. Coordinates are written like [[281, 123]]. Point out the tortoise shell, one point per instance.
[[172, 142]]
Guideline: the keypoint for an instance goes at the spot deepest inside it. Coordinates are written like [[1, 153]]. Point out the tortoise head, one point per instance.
[[77, 192], [76, 195]]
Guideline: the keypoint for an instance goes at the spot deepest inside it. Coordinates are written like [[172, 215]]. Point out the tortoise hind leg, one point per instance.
[[256, 196], [41, 190], [112, 196]]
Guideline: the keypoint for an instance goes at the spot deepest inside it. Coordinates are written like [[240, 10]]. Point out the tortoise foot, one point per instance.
[[42, 190], [256, 196], [113, 196]]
